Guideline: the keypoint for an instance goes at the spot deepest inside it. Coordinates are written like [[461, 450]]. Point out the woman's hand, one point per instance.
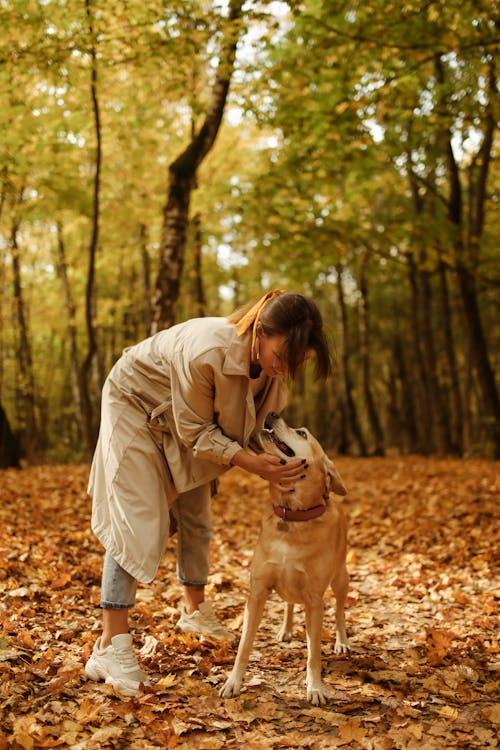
[[282, 474]]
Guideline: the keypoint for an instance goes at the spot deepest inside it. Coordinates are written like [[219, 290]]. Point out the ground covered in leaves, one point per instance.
[[422, 619]]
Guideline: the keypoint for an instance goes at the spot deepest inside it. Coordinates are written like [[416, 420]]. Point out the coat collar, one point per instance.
[[237, 359]]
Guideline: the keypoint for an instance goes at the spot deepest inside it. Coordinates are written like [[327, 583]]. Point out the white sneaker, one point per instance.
[[116, 665], [203, 621]]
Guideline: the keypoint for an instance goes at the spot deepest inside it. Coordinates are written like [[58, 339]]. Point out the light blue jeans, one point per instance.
[[193, 513]]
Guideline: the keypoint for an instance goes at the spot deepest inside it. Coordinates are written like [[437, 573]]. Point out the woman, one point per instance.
[[179, 409]]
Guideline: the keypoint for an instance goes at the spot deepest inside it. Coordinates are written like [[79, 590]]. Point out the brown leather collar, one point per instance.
[[287, 514]]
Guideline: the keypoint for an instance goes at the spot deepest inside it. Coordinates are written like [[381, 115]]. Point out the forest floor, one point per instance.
[[422, 617]]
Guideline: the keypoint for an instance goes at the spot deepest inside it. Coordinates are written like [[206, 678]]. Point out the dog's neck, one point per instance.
[[295, 502], [301, 514]]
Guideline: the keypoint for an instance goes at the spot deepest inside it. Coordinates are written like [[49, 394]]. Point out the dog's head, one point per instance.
[[281, 440]]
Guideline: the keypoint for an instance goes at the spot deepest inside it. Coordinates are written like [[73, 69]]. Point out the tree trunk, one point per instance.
[[434, 406], [199, 292], [407, 408], [352, 413], [90, 365], [438, 406], [295, 415], [456, 398], [323, 417], [435, 418], [146, 279], [26, 381], [480, 356], [76, 383], [420, 377], [10, 452], [343, 440], [182, 180], [395, 427], [467, 389], [467, 252], [364, 322], [3, 282]]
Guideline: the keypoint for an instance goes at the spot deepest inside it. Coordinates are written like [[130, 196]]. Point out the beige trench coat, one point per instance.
[[175, 409]]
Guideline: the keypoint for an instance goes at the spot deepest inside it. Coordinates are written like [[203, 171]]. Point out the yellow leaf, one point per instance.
[[448, 712], [168, 681], [88, 711]]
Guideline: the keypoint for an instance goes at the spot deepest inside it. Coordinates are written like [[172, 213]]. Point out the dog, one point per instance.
[[300, 551]]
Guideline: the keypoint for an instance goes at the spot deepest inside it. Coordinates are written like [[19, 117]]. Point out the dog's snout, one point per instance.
[[270, 418]]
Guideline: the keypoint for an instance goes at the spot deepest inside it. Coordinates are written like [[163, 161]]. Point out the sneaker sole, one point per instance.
[[94, 673]]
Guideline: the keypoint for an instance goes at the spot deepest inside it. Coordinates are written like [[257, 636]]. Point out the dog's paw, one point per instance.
[[317, 696], [342, 646], [231, 688], [284, 635]]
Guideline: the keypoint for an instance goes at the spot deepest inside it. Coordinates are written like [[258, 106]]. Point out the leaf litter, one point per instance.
[[422, 618]]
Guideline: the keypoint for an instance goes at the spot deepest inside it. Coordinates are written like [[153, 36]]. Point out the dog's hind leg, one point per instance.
[[285, 632], [314, 625], [340, 585], [253, 614]]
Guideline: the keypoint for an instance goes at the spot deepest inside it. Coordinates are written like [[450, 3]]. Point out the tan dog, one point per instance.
[[301, 549]]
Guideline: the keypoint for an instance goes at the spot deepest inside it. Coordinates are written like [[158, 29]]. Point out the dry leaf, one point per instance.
[[448, 712], [351, 730], [166, 682], [422, 618]]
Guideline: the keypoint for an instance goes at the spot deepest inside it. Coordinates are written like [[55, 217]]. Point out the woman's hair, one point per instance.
[[298, 319]]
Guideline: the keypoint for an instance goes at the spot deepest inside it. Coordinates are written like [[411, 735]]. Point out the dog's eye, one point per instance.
[[302, 434]]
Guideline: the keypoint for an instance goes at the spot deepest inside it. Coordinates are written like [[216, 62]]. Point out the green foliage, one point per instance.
[[334, 148]]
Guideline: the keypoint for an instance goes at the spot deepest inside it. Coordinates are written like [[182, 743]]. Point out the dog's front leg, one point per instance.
[[314, 624], [252, 617]]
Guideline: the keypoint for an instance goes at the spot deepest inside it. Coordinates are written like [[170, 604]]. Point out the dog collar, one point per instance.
[[287, 514]]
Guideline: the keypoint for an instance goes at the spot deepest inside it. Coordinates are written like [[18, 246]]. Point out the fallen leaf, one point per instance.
[[166, 682], [448, 712], [351, 730], [492, 713], [422, 618]]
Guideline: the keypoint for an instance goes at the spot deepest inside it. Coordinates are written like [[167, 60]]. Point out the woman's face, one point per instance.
[[272, 354]]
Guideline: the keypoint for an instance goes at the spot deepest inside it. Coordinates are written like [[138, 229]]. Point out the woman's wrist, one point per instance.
[[244, 460]]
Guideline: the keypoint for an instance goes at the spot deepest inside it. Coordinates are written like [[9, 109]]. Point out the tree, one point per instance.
[[350, 404], [467, 219], [366, 349], [77, 384], [182, 179], [392, 104], [26, 380], [355, 133], [89, 363]]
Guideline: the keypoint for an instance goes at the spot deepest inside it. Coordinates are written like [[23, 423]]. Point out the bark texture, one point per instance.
[[183, 179]]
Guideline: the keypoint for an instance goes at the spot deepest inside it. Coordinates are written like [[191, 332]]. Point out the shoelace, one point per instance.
[[127, 659]]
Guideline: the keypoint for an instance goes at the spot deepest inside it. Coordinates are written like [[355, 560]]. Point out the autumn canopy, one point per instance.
[[160, 161]]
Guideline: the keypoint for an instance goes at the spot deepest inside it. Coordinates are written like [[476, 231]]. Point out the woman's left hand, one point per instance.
[[280, 473]]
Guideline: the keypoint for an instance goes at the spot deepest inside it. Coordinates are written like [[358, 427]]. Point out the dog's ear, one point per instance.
[[335, 483]]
